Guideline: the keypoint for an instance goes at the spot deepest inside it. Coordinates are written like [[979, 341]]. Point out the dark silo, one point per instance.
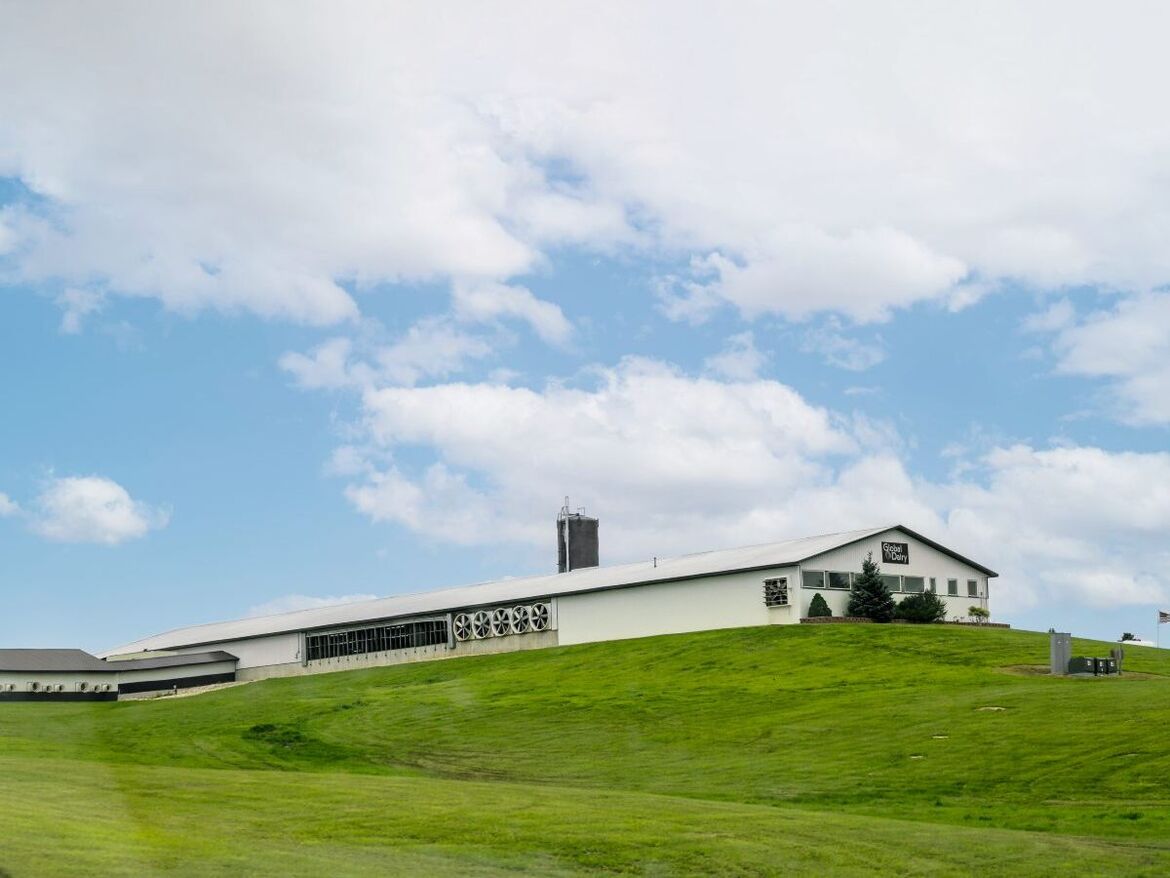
[[576, 540]]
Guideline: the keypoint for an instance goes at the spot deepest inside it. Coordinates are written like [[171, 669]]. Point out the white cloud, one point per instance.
[[1075, 524], [644, 438], [93, 509], [253, 158], [431, 348], [487, 301], [741, 360], [1057, 316], [831, 344], [8, 506], [290, 603], [76, 305], [1129, 346]]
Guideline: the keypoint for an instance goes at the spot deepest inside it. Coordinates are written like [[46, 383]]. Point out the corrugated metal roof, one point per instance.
[[52, 661], [514, 590]]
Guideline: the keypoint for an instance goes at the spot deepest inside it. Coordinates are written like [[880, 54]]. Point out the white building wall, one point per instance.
[[253, 652], [732, 600], [20, 680], [925, 561]]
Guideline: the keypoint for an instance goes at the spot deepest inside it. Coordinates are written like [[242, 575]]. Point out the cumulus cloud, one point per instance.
[[835, 347], [76, 305], [290, 603], [1128, 346], [741, 360], [93, 509], [431, 348], [285, 159], [8, 506], [489, 301]]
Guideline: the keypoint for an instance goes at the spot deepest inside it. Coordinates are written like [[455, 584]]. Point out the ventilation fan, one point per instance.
[[81, 687], [462, 625], [481, 625], [538, 616], [501, 621], [520, 619]]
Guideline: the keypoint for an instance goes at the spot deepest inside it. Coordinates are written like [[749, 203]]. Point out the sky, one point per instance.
[[310, 302]]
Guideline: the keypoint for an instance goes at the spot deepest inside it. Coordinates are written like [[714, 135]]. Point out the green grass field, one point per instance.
[[818, 750]]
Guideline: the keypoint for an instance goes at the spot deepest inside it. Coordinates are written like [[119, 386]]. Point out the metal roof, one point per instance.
[[172, 661], [52, 660], [505, 591]]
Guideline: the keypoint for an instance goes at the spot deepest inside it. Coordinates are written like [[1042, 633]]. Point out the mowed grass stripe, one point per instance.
[[66, 818]]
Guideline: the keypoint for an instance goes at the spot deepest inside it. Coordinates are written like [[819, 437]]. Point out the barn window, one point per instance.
[[953, 586], [776, 592], [381, 638], [813, 578], [972, 588], [893, 583], [838, 580], [912, 584]]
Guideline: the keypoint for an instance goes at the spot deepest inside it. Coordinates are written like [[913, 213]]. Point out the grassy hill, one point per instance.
[[796, 750]]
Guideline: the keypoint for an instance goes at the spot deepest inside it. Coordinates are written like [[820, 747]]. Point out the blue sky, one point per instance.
[[329, 305]]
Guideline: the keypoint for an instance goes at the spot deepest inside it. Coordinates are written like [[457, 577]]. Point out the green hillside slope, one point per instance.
[[816, 750]]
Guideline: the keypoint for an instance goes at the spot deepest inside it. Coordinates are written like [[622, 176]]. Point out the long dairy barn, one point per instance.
[[768, 584]]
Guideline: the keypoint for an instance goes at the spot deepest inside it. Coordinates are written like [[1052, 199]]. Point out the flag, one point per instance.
[[1163, 617]]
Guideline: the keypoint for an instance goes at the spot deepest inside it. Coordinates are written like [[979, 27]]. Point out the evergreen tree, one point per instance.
[[818, 606], [869, 597]]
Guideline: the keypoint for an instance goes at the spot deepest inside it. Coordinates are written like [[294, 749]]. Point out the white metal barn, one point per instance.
[[769, 584]]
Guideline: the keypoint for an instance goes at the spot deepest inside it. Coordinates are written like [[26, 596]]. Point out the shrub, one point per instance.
[[922, 608], [978, 614], [869, 597], [818, 606]]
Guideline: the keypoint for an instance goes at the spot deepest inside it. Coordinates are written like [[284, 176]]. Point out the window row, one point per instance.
[[895, 583], [378, 639]]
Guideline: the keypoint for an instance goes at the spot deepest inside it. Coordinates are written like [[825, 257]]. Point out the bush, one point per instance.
[[818, 606], [869, 598], [979, 614], [922, 608]]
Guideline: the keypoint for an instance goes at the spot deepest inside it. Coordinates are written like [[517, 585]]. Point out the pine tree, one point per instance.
[[869, 597], [818, 606]]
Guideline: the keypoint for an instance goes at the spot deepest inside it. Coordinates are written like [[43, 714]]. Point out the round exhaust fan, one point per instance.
[[520, 619], [501, 621], [481, 625], [538, 617], [462, 626]]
